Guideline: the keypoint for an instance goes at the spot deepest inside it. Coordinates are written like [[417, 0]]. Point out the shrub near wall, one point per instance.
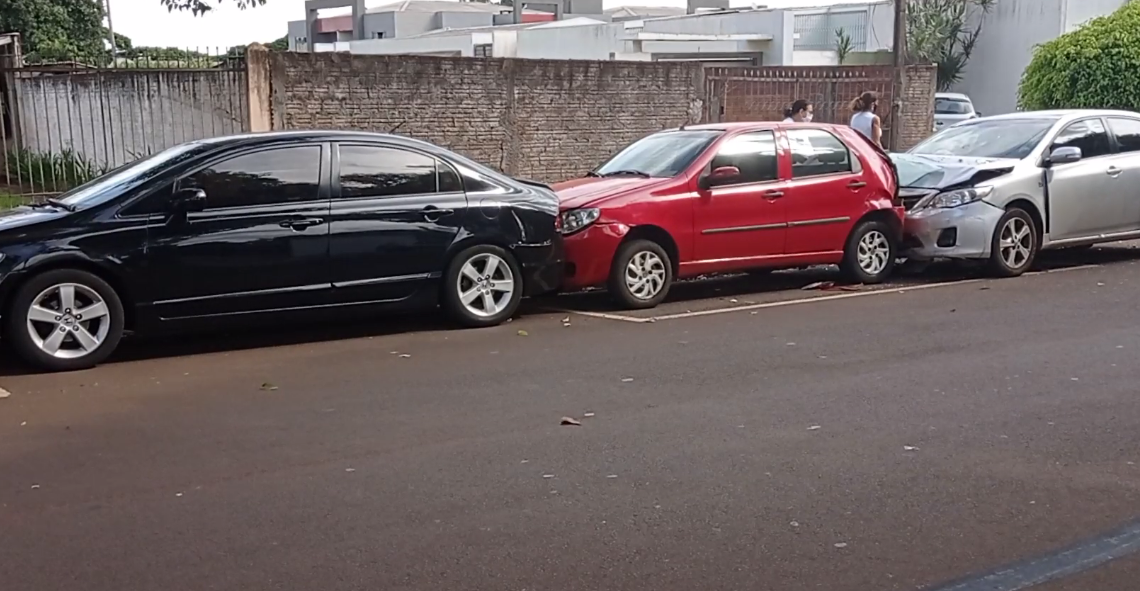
[[1095, 66]]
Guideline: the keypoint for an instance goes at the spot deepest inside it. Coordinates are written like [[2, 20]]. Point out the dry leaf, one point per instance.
[[841, 545], [909, 448], [268, 387], [523, 333], [588, 415], [571, 422], [405, 356], [627, 379], [4, 393], [814, 428]]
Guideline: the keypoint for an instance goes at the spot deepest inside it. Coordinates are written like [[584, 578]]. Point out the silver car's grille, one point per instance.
[[911, 197]]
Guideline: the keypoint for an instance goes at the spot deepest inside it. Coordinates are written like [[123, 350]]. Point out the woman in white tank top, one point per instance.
[[865, 121]]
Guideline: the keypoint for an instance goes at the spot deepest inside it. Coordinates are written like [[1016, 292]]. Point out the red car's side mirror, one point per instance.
[[721, 175]]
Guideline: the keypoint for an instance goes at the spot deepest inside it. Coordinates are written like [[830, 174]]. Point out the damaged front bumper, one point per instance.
[[964, 232]]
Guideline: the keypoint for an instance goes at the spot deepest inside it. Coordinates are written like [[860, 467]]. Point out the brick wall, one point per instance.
[[540, 119], [916, 112], [551, 120], [750, 94]]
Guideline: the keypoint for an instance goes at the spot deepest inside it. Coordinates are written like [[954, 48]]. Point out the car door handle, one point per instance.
[[1113, 171], [856, 185], [432, 213], [301, 224], [773, 194]]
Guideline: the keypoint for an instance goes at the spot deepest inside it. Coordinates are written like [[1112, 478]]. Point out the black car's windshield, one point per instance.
[[664, 154], [988, 138], [918, 172], [105, 186]]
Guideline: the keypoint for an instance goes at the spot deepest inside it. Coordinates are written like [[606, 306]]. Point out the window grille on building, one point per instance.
[[817, 32]]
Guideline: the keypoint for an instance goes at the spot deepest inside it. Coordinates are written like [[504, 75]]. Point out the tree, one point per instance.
[[944, 32], [1095, 66], [57, 29], [200, 7]]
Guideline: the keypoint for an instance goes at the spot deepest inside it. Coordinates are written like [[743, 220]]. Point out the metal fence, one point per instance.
[[820, 32], [67, 121]]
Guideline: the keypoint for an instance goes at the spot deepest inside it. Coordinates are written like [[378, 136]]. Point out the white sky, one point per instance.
[[147, 23]]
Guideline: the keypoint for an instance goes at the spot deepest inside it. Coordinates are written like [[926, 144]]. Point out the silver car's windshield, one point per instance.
[[988, 138]]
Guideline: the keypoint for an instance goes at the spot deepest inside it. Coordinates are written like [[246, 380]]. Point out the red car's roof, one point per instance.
[[746, 125]]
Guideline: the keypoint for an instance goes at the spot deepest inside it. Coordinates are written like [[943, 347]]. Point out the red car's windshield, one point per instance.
[[664, 154]]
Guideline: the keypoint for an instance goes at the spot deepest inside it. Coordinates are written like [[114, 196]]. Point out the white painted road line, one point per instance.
[[841, 296]]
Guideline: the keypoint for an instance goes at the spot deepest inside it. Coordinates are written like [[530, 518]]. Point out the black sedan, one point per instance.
[[265, 225]]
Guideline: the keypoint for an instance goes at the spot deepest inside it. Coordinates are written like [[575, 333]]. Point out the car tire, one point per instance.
[[1017, 256], [482, 287], [761, 272], [64, 320], [871, 252], [641, 275]]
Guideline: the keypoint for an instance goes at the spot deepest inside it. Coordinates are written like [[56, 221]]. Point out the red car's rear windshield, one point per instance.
[[664, 154]]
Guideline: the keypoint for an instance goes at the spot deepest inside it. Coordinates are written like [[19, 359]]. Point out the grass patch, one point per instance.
[[53, 172]]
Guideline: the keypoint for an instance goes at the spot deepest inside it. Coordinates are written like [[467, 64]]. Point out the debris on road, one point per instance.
[[612, 476], [818, 285], [566, 321], [350, 469], [4, 394], [177, 494], [267, 387], [841, 545], [405, 356], [35, 486], [523, 333], [909, 448], [814, 428], [588, 415], [548, 476], [795, 524], [571, 422], [525, 462], [627, 379]]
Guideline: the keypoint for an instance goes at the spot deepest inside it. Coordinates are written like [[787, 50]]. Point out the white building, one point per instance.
[[1009, 33], [770, 36]]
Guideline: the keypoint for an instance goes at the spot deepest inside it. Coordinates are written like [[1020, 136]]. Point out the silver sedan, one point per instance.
[[1003, 188]]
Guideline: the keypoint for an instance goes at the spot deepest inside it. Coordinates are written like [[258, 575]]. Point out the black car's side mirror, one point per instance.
[[188, 200], [1063, 155]]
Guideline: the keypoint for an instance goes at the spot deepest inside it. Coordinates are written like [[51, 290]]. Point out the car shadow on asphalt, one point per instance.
[[707, 291]]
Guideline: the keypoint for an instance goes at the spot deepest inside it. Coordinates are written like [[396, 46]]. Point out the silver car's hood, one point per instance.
[[937, 172], [970, 161]]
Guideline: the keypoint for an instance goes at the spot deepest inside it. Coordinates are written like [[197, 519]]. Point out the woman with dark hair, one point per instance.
[[800, 112], [865, 121]]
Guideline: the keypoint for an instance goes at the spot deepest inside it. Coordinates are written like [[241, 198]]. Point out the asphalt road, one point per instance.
[[960, 428]]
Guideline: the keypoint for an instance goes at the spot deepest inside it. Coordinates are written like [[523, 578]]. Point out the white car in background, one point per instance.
[[951, 108]]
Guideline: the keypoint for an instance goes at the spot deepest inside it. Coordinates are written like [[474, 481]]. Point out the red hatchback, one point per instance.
[[731, 197]]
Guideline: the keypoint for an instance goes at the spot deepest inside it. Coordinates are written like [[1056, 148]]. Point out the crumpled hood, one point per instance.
[[595, 192], [955, 170], [25, 216]]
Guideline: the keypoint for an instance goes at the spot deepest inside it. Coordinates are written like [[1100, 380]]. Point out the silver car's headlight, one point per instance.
[[577, 219], [956, 198]]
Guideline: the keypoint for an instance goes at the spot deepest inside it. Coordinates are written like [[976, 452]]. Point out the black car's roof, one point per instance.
[[308, 135]]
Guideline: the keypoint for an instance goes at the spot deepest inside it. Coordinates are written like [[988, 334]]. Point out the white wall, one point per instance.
[[436, 44], [1009, 33], [815, 58], [595, 42], [1077, 12]]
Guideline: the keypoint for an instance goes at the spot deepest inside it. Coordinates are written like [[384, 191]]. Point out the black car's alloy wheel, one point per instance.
[[64, 320], [482, 287]]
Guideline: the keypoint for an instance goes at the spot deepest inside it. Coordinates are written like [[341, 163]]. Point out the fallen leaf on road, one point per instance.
[[24, 424], [818, 285], [177, 494], [4, 394], [1100, 283], [588, 415], [612, 476], [350, 469], [548, 476], [734, 300], [627, 379], [523, 333], [571, 422], [795, 524], [909, 448], [841, 545], [791, 344], [984, 288], [405, 356], [35, 486], [753, 313], [268, 387], [814, 428]]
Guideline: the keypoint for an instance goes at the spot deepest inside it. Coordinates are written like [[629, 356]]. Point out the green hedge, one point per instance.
[[1095, 66]]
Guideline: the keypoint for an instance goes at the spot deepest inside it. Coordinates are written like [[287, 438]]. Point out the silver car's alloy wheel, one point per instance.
[[486, 285], [645, 275], [1015, 242], [874, 252], [68, 321]]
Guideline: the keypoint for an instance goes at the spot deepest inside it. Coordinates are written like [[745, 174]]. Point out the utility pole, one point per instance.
[[900, 71], [110, 29]]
